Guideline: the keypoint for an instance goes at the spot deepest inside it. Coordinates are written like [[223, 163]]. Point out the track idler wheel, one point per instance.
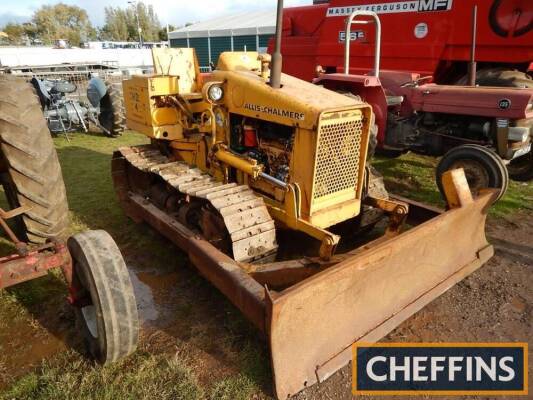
[[214, 229], [483, 168], [106, 309]]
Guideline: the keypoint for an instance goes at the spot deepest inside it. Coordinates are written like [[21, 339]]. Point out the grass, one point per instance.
[[211, 324], [140, 376], [208, 324], [413, 176]]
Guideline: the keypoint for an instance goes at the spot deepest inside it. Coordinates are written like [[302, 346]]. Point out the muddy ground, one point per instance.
[[494, 304]]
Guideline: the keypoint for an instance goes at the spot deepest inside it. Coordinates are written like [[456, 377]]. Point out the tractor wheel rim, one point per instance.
[[89, 311], [476, 175], [89, 316]]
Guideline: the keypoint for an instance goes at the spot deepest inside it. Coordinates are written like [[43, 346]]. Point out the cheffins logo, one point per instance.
[[395, 7], [440, 368]]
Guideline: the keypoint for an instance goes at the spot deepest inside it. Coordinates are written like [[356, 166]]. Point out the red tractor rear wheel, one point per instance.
[[521, 169], [500, 77], [31, 174]]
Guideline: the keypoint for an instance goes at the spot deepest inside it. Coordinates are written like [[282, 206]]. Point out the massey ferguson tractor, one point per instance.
[[485, 130], [264, 181], [98, 282]]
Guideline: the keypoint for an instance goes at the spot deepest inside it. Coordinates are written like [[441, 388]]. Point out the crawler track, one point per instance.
[[250, 227]]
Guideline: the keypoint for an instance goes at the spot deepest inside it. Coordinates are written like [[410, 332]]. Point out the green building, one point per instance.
[[248, 31]]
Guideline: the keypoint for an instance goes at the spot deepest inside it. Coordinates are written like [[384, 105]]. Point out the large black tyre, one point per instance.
[[31, 172], [112, 116], [483, 168], [370, 216], [376, 185], [500, 77], [521, 169], [108, 317], [389, 153], [373, 134], [372, 142]]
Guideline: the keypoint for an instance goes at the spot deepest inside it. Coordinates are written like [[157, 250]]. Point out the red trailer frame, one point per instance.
[[31, 262]]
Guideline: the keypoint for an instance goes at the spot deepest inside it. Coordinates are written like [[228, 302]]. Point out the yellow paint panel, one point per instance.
[[239, 61], [297, 103], [164, 116], [338, 211], [178, 62], [141, 113]]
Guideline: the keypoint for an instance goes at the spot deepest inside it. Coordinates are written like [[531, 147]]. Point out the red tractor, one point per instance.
[[482, 129], [427, 37]]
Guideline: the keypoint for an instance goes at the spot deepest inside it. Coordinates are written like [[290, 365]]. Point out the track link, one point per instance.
[[249, 224]]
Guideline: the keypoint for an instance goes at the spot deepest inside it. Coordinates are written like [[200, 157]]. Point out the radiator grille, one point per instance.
[[338, 156]]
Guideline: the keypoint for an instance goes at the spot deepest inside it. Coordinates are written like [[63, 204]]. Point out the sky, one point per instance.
[[174, 12]]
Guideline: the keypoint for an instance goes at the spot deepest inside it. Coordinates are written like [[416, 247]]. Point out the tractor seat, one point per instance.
[[63, 87], [393, 101]]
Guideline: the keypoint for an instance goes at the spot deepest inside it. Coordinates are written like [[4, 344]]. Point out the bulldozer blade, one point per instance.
[[312, 325]]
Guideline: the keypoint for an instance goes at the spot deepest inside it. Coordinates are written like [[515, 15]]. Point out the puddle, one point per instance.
[[145, 299], [155, 293], [26, 342]]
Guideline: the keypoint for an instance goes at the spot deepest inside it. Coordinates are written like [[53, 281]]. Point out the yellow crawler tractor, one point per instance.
[[263, 180]]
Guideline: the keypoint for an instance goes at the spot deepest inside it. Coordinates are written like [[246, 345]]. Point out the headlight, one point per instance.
[[215, 93]]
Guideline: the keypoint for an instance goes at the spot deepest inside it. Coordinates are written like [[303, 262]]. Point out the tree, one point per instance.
[[163, 32], [20, 33], [15, 33], [121, 23], [116, 26], [61, 21], [149, 22], [30, 29]]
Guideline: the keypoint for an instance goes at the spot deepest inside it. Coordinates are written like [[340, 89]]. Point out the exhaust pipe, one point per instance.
[[472, 65], [275, 70]]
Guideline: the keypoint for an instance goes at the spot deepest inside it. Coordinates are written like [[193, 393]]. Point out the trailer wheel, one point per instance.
[[107, 315], [483, 168], [31, 174], [112, 115], [521, 169]]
